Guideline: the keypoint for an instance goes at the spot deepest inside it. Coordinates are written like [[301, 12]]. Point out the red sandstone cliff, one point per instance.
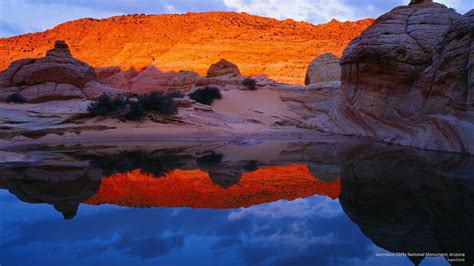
[[280, 49]]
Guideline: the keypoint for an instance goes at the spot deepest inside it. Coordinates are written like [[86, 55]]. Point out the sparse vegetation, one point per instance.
[[102, 107], [175, 94], [128, 109], [135, 112], [156, 163], [15, 98], [206, 95], [157, 102], [250, 83]]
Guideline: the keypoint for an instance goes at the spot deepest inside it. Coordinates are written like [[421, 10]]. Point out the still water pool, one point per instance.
[[259, 203]]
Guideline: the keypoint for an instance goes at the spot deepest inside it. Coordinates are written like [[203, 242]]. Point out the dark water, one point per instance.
[[235, 204]]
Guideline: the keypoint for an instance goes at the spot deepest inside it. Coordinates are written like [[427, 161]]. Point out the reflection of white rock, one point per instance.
[[10, 157]]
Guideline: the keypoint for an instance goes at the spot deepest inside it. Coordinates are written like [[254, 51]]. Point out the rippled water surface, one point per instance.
[[206, 203]]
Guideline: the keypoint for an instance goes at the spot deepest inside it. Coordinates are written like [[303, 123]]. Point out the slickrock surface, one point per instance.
[[280, 49], [408, 80], [57, 76], [324, 68]]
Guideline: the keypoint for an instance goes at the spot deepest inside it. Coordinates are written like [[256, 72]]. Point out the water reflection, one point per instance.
[[408, 201], [305, 204], [193, 188]]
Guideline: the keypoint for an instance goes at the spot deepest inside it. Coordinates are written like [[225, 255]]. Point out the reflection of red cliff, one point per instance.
[[194, 189]]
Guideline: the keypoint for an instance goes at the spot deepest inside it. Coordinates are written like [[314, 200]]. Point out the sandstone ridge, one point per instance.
[[279, 49]]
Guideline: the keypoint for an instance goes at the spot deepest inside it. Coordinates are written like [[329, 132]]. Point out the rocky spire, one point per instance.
[[60, 49]]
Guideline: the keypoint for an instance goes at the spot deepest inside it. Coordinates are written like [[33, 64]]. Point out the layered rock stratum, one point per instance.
[[408, 80], [280, 49]]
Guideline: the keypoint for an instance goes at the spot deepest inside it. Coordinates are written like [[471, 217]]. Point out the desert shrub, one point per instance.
[[167, 106], [125, 109], [175, 94], [157, 102], [150, 101], [103, 106], [135, 112], [120, 107], [15, 98], [206, 95], [250, 83], [120, 102]]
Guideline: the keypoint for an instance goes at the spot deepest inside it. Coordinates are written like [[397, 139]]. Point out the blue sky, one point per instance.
[[23, 16]]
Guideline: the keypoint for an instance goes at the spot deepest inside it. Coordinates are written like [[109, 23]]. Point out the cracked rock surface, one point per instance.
[[408, 80]]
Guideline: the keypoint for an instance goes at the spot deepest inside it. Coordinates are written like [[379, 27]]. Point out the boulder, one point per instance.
[[56, 67], [57, 76], [406, 80], [324, 68], [184, 81], [223, 68]]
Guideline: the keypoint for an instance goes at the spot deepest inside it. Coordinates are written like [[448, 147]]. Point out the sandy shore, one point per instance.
[[238, 116]]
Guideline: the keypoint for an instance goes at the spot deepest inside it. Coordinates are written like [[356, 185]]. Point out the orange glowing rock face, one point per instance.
[[194, 188], [281, 50]]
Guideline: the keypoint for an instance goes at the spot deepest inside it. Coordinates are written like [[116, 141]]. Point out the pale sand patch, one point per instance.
[[262, 105], [239, 115]]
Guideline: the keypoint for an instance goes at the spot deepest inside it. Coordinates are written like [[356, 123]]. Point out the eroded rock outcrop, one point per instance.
[[223, 68], [57, 76], [184, 81], [258, 45], [324, 68], [313, 103], [408, 80]]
